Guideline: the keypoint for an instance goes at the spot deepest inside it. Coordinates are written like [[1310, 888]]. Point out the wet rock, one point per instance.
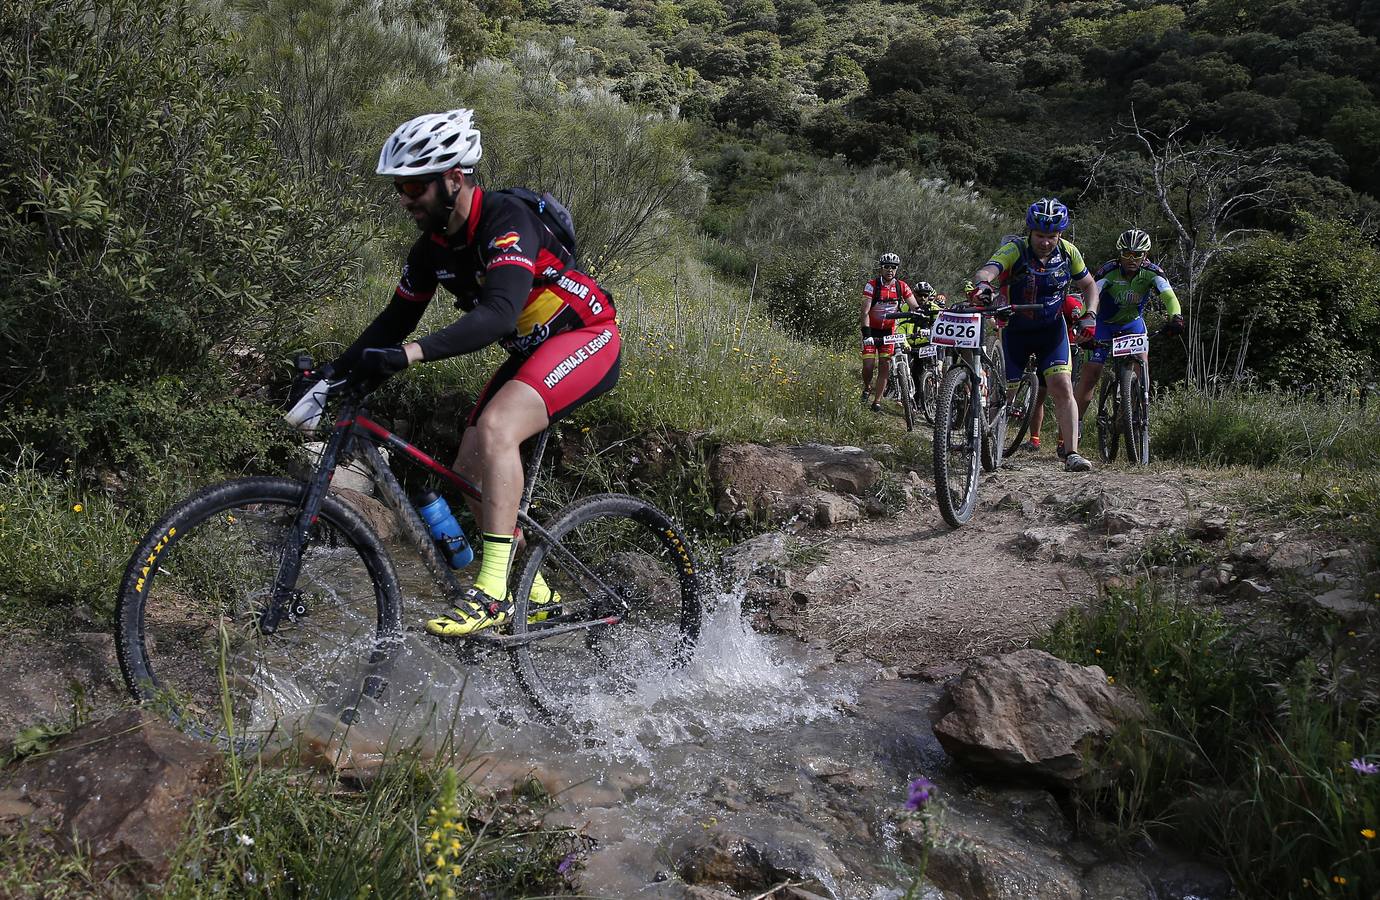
[[1034, 812], [1028, 713], [123, 788], [1115, 881], [748, 863], [756, 478], [1192, 881], [833, 509], [753, 556], [1055, 541], [941, 671], [374, 513], [978, 861], [844, 470]]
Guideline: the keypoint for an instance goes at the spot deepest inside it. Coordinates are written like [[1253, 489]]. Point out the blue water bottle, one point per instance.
[[445, 530]]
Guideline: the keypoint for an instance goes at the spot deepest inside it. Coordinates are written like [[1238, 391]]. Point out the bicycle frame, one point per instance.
[[353, 429]]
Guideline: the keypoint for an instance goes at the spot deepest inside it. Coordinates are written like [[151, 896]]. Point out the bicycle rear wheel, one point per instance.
[[955, 449], [1108, 414], [994, 410], [612, 556], [187, 613], [907, 391], [1019, 409], [929, 392]]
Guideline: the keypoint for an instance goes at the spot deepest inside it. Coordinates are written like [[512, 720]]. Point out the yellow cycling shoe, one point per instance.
[[545, 601], [475, 612]]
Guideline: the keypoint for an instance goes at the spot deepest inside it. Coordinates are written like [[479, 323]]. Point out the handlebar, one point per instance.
[[994, 310], [1150, 334], [907, 315]]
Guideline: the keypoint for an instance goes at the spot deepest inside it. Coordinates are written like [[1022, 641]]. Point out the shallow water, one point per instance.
[[756, 736]]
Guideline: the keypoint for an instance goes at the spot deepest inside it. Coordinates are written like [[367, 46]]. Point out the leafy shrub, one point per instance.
[[1262, 429], [148, 231]]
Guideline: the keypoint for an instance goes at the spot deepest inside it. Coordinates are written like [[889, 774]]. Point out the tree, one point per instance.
[[154, 250], [1203, 191]]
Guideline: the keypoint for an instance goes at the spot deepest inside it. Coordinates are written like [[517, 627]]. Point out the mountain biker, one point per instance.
[[1038, 268], [927, 300], [1126, 285], [517, 286], [881, 295], [1072, 312]]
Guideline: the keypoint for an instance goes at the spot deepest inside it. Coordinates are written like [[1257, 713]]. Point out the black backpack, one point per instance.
[[552, 214]]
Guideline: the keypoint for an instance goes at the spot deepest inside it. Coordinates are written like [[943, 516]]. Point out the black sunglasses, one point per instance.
[[415, 187]]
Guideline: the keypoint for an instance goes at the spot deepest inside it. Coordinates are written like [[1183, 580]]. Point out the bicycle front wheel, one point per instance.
[[1133, 416], [628, 608], [994, 410], [187, 615], [955, 448]]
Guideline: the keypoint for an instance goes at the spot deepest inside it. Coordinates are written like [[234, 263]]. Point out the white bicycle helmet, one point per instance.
[[1133, 240], [435, 142], [889, 259]]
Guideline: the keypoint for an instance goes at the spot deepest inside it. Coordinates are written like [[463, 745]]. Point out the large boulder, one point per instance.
[[123, 788], [1029, 713], [846, 470], [757, 480]]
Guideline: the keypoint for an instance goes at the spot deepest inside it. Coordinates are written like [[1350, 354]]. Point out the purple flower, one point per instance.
[[566, 863], [1365, 768], [920, 791]]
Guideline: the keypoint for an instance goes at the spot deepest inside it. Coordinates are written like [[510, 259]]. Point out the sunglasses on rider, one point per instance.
[[1134, 257], [890, 266], [415, 187]]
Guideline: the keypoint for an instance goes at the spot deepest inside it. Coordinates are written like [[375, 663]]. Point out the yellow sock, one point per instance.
[[493, 572], [541, 591]]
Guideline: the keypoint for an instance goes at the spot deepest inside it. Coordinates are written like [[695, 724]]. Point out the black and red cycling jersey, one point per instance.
[[511, 276]]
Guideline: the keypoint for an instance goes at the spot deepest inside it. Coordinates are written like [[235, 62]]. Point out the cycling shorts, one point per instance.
[[566, 369], [1050, 346], [1106, 331], [873, 345]]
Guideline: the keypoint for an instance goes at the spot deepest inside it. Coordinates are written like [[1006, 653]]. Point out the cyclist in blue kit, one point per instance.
[[1042, 268]]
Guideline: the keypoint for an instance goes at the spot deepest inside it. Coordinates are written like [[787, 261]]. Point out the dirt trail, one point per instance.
[[910, 591]]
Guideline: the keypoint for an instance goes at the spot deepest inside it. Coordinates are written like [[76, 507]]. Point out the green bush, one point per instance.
[[1263, 428], [1247, 748], [149, 230]]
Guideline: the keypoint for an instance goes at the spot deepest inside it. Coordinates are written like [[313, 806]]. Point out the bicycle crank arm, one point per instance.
[[517, 640]]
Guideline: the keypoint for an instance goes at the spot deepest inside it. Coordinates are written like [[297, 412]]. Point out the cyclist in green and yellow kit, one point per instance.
[[1126, 285]]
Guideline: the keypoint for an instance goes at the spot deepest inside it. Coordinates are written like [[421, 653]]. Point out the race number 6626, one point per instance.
[[957, 329]]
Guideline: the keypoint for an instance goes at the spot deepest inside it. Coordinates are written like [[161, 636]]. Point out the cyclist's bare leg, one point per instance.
[[1087, 382], [1037, 411], [867, 375], [883, 372], [1065, 409], [490, 456]]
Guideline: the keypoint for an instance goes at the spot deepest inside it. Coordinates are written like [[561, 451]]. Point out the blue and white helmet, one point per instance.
[[435, 142], [1047, 214]]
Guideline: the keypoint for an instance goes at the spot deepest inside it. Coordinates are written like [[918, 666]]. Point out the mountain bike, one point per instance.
[[1123, 400], [903, 351], [252, 596], [971, 402]]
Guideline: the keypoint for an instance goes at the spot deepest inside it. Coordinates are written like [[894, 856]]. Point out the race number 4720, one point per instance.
[[957, 330]]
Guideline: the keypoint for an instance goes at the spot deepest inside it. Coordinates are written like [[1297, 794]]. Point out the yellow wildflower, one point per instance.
[[1339, 879], [1368, 833], [1111, 679], [77, 507]]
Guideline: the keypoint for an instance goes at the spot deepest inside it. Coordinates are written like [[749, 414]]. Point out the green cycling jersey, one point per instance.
[[1123, 299]]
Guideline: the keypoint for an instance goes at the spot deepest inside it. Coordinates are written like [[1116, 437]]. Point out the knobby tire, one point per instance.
[[907, 392], [1107, 420], [1128, 385], [994, 411], [639, 552], [956, 456], [193, 592], [1022, 406]]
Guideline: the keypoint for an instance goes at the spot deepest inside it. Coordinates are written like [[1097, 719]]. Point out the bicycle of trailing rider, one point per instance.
[[253, 596], [925, 369], [1020, 404], [1123, 402], [972, 400], [903, 350]]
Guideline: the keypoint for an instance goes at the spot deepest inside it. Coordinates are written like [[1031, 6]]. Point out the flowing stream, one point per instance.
[[759, 737]]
